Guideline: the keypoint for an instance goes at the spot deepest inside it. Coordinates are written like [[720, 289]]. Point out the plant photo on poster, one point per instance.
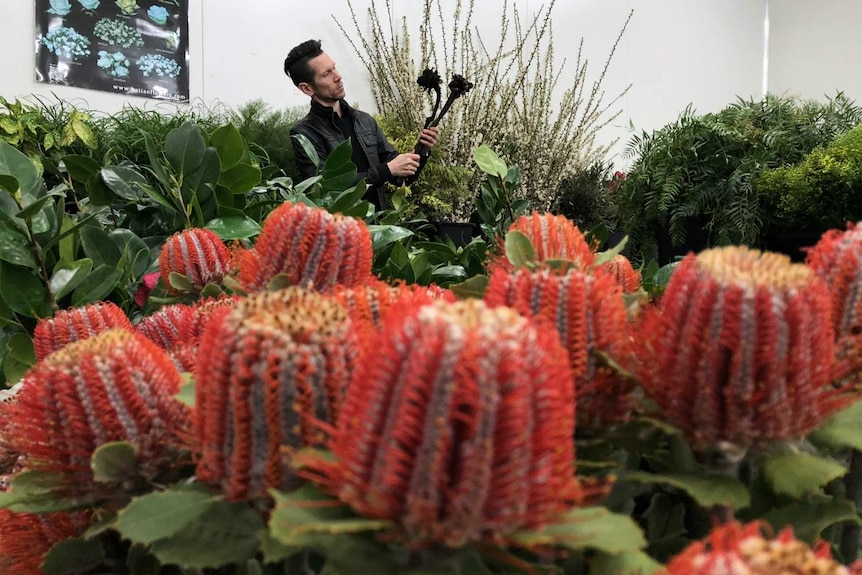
[[115, 46]]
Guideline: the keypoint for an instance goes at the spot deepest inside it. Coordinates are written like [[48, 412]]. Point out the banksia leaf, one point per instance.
[[26, 537], [736, 548], [553, 238], [741, 348], [621, 268], [76, 324], [588, 312], [464, 432], [312, 247], [115, 386], [275, 363], [196, 253], [369, 302]]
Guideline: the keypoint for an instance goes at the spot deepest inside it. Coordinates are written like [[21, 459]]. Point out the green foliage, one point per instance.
[[822, 191], [496, 205], [702, 168], [585, 198], [269, 131]]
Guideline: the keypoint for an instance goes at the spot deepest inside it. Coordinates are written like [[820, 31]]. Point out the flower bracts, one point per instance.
[[76, 324], [115, 386], [555, 237], [463, 432], [368, 303], [735, 548], [196, 253], [313, 248], [621, 268], [741, 348], [588, 313], [26, 537], [273, 365]]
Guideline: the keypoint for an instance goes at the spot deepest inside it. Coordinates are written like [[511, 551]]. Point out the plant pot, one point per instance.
[[461, 233]]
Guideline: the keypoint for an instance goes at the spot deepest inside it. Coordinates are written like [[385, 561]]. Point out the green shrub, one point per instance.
[[268, 132], [586, 198], [823, 191], [700, 169]]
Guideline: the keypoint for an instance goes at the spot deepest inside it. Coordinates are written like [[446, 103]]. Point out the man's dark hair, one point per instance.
[[296, 64]]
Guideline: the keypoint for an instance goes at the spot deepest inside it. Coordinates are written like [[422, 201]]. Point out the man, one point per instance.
[[331, 121]]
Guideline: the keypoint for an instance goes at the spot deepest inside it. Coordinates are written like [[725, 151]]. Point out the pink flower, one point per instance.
[[148, 282]]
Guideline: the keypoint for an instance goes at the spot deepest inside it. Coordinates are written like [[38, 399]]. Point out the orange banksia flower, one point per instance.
[[837, 258], [312, 247], [741, 348], [621, 268], [76, 324], [459, 427], [735, 548], [26, 537], [267, 370], [553, 238], [115, 386], [368, 303], [588, 313], [197, 253]]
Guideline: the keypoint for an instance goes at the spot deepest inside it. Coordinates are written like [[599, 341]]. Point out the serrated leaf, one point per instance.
[[587, 528], [796, 474], [39, 492], [809, 519], [156, 516], [844, 429], [474, 287], [116, 461], [226, 533], [73, 556], [706, 490], [519, 249]]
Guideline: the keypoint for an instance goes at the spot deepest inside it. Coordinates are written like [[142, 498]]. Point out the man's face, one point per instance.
[[327, 86]]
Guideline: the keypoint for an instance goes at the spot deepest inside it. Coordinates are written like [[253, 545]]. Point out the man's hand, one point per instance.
[[428, 137], [404, 165]]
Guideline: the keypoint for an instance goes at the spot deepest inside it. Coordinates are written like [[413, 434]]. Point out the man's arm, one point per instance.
[[386, 153]]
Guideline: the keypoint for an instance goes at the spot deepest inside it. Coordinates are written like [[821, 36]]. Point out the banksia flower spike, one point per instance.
[[368, 303], [554, 237], [196, 253], [588, 312], [163, 326], [735, 548], [464, 432], [271, 368], [741, 348], [115, 386], [313, 248], [26, 537], [621, 268], [76, 324]]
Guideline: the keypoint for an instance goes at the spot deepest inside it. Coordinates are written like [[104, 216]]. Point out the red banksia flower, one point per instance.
[[312, 247], [741, 348], [368, 303], [197, 253], [268, 370], [554, 238], [115, 386], [837, 258], [76, 324], [588, 313], [464, 432], [621, 268], [26, 537], [163, 326], [734, 548]]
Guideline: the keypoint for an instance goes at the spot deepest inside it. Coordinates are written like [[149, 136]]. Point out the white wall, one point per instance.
[[814, 48], [675, 52]]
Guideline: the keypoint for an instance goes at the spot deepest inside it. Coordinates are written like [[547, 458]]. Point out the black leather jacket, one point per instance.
[[321, 128]]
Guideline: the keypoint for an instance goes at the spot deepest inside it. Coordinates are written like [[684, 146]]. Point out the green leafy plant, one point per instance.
[[268, 130], [699, 171], [587, 197], [496, 205]]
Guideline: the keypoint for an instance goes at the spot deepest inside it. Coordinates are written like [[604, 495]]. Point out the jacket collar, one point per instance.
[[327, 112]]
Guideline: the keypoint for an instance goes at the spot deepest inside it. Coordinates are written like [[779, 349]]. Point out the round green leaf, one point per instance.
[[159, 515], [796, 474], [73, 556], [519, 249], [114, 461], [240, 178], [229, 144], [489, 162], [124, 181], [185, 147]]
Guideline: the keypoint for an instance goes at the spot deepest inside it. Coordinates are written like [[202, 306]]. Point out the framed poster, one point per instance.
[[115, 46]]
